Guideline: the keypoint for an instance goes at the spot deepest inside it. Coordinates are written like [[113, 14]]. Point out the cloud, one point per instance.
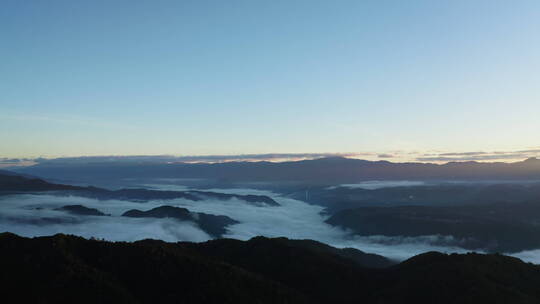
[[34, 215], [24, 214], [479, 156], [10, 160], [464, 154], [532, 256], [293, 219], [384, 155], [530, 151], [14, 162], [401, 248]]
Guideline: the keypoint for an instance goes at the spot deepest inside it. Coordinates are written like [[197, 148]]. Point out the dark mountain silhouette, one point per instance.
[[16, 183], [11, 182], [81, 210], [138, 195], [11, 173], [444, 194], [460, 278], [325, 170], [68, 269], [234, 250], [250, 198], [496, 227], [212, 224]]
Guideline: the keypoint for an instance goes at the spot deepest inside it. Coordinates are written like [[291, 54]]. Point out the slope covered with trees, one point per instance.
[[68, 269]]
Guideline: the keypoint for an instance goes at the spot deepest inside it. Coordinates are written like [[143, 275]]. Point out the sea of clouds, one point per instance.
[[34, 215]]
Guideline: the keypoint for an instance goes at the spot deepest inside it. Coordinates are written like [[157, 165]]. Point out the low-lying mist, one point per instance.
[[35, 215]]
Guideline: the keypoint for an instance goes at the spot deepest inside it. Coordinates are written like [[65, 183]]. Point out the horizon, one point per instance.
[[283, 151], [6, 163]]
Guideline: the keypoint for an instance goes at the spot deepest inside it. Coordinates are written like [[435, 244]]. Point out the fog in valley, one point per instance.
[[36, 215]]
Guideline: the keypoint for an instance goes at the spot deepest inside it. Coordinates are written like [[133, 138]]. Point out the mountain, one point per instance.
[[496, 227], [80, 210], [11, 173], [68, 269], [144, 195], [258, 200], [235, 250], [13, 183], [325, 170], [460, 278], [428, 194], [211, 224]]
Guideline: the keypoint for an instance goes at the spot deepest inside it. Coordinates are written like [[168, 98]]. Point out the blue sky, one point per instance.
[[248, 77]]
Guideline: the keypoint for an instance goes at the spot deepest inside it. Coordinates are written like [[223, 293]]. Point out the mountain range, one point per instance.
[[494, 227], [69, 269], [323, 170], [11, 183]]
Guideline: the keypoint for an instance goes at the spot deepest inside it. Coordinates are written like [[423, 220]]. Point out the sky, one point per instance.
[[251, 77]]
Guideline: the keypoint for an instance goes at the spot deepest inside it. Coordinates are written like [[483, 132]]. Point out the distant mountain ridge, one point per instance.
[[331, 169], [493, 227], [14, 183]]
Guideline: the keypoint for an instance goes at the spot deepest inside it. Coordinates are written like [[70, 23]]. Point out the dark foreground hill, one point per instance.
[[68, 269]]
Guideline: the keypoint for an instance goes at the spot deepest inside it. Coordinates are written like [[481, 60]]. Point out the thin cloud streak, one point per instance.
[[480, 156]]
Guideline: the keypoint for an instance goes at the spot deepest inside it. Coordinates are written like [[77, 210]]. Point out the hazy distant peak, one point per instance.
[[337, 159], [332, 158]]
